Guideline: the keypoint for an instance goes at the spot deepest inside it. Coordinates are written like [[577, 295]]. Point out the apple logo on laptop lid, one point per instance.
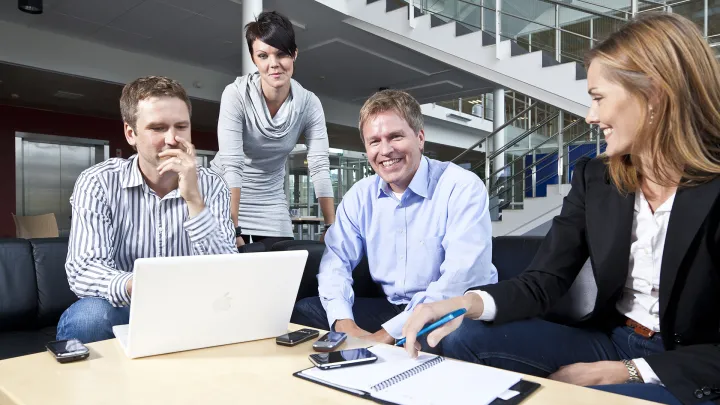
[[223, 303]]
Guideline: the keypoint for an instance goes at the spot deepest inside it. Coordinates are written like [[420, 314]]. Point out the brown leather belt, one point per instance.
[[639, 329]]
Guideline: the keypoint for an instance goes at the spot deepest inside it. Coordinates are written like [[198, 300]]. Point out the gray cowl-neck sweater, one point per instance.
[[254, 148]]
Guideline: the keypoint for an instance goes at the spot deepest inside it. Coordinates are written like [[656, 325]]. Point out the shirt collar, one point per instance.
[[418, 184], [131, 176], [641, 201]]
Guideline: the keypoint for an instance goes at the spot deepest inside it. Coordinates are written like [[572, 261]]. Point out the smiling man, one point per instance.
[[156, 203], [423, 225]]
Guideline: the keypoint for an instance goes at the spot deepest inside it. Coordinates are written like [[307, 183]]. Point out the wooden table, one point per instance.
[[257, 372]]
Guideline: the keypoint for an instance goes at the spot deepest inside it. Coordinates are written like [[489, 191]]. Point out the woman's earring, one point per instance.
[[652, 115]]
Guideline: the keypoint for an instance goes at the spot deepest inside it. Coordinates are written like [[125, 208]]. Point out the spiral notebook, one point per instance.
[[395, 378]]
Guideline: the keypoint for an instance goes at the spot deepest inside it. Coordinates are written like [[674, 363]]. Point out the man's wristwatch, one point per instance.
[[632, 370], [238, 231]]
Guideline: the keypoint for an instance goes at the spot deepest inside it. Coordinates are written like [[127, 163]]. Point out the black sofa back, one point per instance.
[[511, 255], [34, 290]]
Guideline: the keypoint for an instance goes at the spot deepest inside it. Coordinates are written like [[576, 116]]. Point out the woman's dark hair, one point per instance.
[[274, 29]]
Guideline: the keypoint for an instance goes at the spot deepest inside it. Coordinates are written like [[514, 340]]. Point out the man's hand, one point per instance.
[[239, 241], [598, 373], [349, 327], [128, 287], [182, 161], [380, 336], [427, 313]]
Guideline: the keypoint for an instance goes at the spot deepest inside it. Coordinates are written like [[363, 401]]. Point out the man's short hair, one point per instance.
[[398, 101], [146, 87]]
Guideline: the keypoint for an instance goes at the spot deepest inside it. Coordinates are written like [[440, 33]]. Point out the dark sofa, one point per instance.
[[34, 290]]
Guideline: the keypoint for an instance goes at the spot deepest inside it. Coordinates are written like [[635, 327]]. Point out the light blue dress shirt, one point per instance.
[[432, 244]]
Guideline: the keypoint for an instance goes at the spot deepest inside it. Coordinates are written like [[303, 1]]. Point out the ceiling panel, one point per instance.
[[349, 72], [196, 6], [152, 19], [96, 11], [119, 38], [66, 24], [226, 13]]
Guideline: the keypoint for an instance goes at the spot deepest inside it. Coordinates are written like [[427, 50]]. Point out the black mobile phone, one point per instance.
[[343, 358], [299, 336], [329, 342], [66, 351]]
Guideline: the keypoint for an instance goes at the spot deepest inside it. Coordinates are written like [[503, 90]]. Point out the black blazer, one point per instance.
[[596, 221]]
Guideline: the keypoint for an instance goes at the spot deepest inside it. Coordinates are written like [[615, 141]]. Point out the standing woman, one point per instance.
[[262, 115]]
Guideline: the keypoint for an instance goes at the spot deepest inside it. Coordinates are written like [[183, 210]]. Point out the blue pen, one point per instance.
[[440, 322]]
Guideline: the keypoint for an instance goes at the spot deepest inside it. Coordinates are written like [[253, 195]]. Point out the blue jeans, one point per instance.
[[369, 313], [90, 320], [539, 348]]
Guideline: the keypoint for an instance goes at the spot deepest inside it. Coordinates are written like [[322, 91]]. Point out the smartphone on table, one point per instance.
[[329, 342], [66, 351], [299, 336], [342, 358]]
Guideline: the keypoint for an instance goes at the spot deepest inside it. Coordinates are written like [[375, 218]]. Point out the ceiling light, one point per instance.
[[68, 95], [31, 6]]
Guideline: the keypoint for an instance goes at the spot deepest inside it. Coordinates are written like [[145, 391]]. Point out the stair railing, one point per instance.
[[504, 195]]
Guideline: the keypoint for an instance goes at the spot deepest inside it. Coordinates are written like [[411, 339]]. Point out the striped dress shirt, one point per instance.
[[117, 218]]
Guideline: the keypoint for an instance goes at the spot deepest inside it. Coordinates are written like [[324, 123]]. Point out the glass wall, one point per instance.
[[346, 169]]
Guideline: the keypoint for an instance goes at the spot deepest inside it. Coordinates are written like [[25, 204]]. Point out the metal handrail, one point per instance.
[[577, 121], [585, 10], [549, 155], [539, 181], [508, 145], [527, 19], [500, 128]]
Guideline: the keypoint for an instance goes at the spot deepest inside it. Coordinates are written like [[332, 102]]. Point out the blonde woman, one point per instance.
[[647, 215]]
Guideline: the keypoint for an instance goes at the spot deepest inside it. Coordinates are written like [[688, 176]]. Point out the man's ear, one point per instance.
[[421, 138], [129, 134], [297, 51]]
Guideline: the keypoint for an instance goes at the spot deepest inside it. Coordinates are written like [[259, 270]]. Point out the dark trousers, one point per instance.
[[369, 313], [268, 241], [538, 347]]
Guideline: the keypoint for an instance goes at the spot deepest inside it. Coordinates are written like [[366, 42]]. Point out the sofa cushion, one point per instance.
[[511, 255], [18, 288], [54, 294], [21, 343]]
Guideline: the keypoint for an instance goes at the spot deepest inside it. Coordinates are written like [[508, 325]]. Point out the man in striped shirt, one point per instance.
[[156, 203]]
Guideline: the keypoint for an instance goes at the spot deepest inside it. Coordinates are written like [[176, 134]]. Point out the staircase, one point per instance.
[[528, 191], [535, 74]]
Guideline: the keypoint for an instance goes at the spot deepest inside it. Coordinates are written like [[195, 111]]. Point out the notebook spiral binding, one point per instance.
[[407, 374]]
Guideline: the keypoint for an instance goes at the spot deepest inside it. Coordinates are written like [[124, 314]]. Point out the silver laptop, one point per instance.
[[191, 302]]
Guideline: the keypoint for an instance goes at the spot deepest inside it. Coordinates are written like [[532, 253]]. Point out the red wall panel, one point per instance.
[[19, 119]]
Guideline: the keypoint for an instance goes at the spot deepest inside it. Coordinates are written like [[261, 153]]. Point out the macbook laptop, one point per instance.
[[191, 302]]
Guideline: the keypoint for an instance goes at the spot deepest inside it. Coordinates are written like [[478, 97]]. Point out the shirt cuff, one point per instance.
[[117, 290], [395, 325], [200, 226], [646, 372], [338, 309], [489, 307]]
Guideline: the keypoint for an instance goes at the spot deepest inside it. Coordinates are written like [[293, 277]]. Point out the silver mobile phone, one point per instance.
[[329, 342]]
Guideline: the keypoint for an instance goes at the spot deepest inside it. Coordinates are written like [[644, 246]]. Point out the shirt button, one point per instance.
[[402, 257], [401, 230], [678, 338]]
